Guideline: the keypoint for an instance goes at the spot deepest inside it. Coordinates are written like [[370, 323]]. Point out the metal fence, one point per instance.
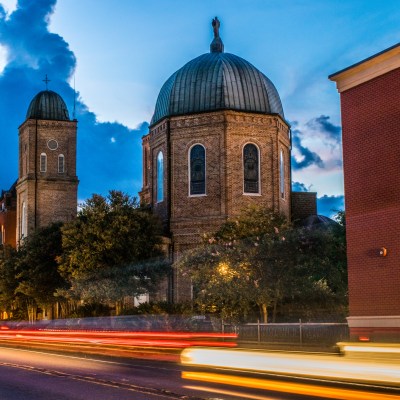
[[298, 333]]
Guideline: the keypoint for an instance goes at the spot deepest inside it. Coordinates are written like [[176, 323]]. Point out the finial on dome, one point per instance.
[[46, 80], [216, 45]]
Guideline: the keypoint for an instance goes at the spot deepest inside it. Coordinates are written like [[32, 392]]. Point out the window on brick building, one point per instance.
[[282, 175], [61, 164], [197, 173], [251, 169], [43, 162], [145, 168], [160, 177], [24, 228]]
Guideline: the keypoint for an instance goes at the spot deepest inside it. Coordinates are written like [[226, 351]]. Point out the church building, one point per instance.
[[218, 141], [47, 182]]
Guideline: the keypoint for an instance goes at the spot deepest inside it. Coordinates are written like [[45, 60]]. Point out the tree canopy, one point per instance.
[[258, 259], [112, 249]]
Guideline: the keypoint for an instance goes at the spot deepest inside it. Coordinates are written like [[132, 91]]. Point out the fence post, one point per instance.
[[258, 331], [222, 326], [301, 332]]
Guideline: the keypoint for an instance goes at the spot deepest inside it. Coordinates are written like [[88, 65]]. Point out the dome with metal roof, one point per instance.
[[217, 81], [48, 105]]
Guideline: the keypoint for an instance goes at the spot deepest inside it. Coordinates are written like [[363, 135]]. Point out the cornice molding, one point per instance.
[[364, 71]]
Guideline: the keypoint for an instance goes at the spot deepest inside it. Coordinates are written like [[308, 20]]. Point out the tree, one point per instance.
[[37, 268], [8, 281], [113, 249], [226, 272], [259, 259]]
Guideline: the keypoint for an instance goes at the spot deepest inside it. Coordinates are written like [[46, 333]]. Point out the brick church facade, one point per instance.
[[218, 142]]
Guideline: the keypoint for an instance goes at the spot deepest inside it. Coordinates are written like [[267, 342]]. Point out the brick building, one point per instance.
[[218, 142], [8, 216], [47, 182], [370, 107]]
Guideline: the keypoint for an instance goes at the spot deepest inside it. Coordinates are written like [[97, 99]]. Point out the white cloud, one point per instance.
[[9, 5], [113, 140], [3, 58]]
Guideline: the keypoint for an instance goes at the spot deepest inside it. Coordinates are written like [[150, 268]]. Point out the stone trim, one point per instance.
[[389, 321]]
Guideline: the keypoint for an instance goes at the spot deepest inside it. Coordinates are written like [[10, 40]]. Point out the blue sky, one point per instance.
[[121, 52]]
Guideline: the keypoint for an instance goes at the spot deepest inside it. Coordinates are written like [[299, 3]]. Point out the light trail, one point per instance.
[[302, 365], [288, 387], [123, 338]]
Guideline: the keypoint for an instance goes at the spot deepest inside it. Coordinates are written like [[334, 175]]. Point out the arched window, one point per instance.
[[61, 164], [197, 173], [24, 230], [160, 177], [251, 168], [43, 162], [145, 167], [282, 175]]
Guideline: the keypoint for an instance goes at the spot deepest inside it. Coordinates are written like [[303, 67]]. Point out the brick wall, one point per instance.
[[371, 143], [223, 134], [304, 204], [49, 196]]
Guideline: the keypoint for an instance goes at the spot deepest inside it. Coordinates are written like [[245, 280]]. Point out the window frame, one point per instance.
[[43, 162], [258, 193], [282, 175], [190, 171], [61, 157], [160, 182]]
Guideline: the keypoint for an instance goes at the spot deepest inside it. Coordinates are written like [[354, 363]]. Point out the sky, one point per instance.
[[118, 54]]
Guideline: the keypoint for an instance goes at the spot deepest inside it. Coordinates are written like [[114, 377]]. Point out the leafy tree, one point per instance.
[[113, 249], [8, 281], [259, 259], [37, 269]]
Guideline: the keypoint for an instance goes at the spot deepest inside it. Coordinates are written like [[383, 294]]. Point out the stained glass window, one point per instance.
[[282, 176], [251, 168], [160, 177], [197, 170]]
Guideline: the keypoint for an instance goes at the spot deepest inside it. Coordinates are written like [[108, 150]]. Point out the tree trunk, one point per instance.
[[264, 313], [118, 307]]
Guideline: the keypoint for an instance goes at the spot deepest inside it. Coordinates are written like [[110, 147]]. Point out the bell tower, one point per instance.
[[47, 182]]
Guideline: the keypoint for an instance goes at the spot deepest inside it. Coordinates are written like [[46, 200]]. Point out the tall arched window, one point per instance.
[[197, 173], [282, 175], [43, 162], [160, 177], [61, 164], [251, 169], [24, 230]]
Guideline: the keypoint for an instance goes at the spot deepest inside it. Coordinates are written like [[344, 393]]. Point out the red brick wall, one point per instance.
[[371, 143]]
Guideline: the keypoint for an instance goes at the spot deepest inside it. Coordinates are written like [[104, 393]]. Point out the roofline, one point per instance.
[[219, 110], [367, 69]]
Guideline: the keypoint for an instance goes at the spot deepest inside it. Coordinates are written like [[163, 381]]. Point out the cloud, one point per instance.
[[299, 187], [317, 143], [307, 157], [322, 125], [109, 153], [330, 205]]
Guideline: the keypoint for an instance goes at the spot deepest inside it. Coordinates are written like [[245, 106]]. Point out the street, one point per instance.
[[32, 375]]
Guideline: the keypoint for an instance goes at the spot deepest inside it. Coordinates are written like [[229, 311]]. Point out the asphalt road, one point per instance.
[[38, 375]]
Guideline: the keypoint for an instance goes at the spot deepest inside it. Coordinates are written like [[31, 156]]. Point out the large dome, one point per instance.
[[217, 81], [48, 105]]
